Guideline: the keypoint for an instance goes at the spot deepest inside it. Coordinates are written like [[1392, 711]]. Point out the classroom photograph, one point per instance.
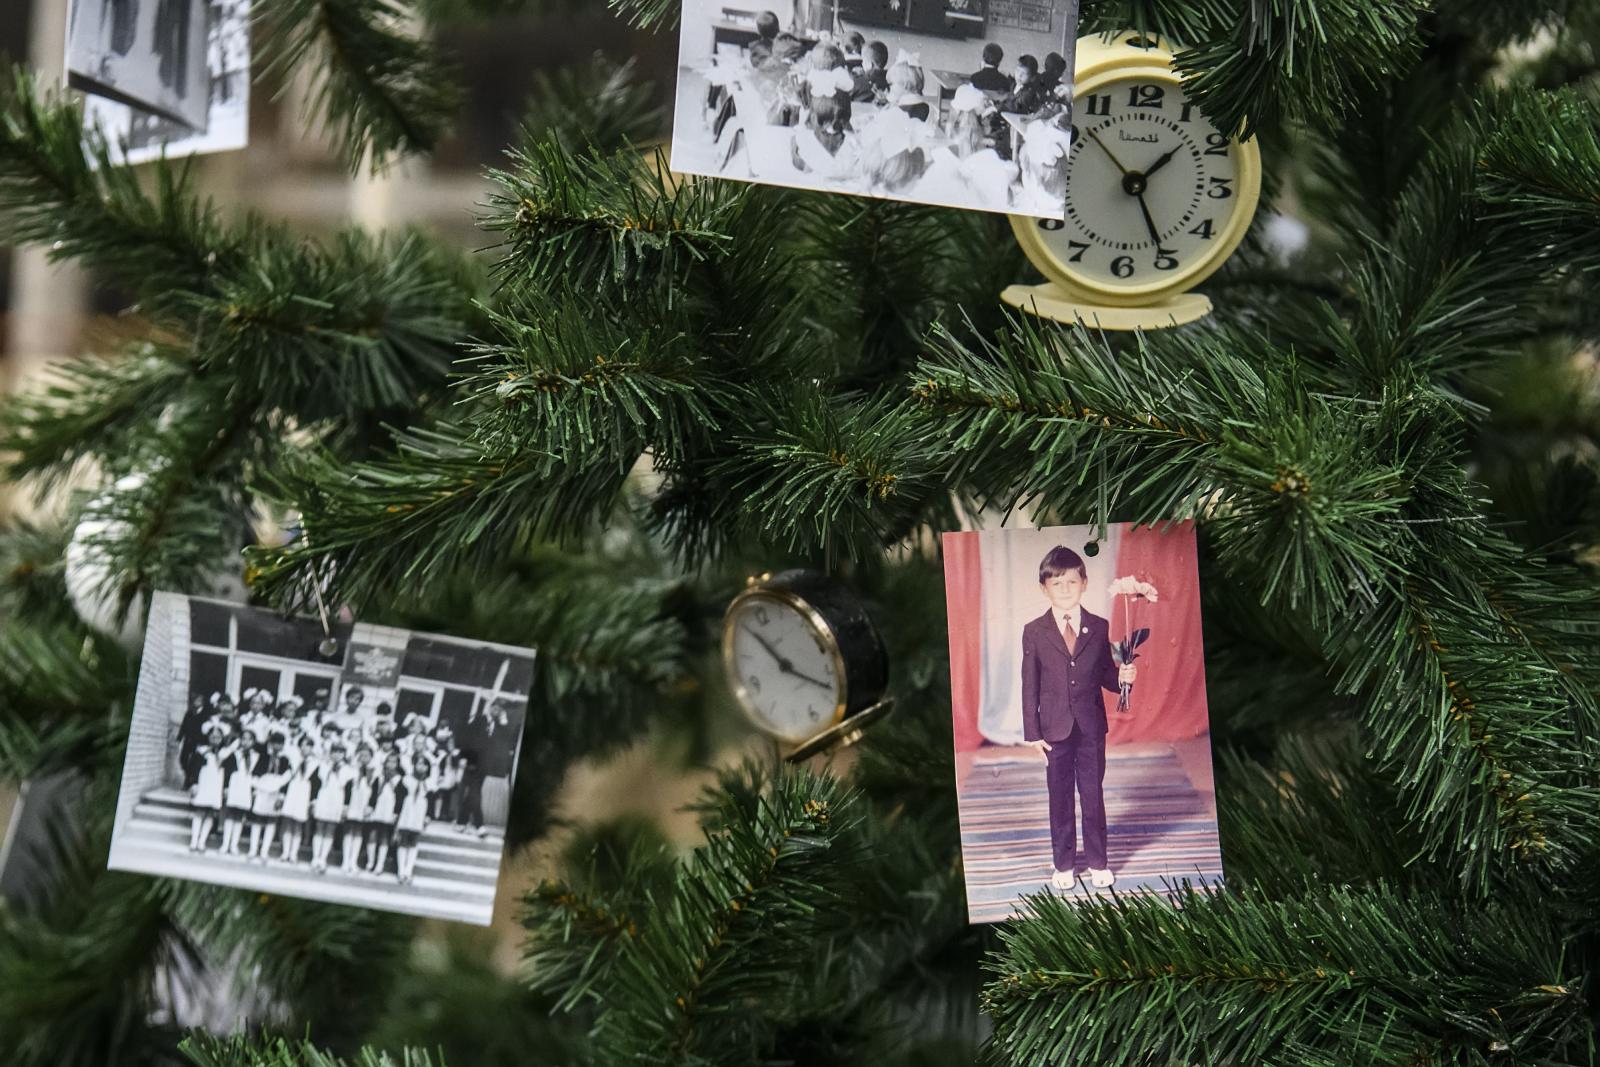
[[957, 103]]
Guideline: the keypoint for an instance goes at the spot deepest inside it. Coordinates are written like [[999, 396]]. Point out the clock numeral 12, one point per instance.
[[1146, 95], [1095, 104]]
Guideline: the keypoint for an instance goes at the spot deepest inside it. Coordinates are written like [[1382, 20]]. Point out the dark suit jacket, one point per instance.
[[1061, 690], [1024, 101], [991, 80]]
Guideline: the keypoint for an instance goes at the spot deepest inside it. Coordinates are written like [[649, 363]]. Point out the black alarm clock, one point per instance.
[[802, 655]]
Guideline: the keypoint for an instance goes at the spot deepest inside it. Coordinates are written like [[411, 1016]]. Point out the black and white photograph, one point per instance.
[[150, 54], [133, 135], [364, 765], [958, 103]]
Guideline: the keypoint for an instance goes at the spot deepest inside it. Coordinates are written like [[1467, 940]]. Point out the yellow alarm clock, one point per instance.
[[1157, 198]]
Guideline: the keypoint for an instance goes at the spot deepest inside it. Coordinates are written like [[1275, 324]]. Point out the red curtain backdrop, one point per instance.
[[963, 591], [1169, 699]]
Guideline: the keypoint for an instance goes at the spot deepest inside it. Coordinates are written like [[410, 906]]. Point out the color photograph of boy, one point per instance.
[[1082, 738]]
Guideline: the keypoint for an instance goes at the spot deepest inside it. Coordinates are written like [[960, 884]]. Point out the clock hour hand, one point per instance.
[[1161, 160], [1096, 138]]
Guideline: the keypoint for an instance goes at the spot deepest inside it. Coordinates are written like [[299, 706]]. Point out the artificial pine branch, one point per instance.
[[1182, 425], [372, 319], [325, 965], [379, 88], [80, 963], [704, 980], [1540, 164], [591, 218], [57, 684], [602, 105], [842, 477], [204, 1050], [1332, 977], [1314, 812]]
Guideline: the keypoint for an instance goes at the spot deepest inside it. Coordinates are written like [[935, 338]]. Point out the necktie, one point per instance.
[[1070, 635]]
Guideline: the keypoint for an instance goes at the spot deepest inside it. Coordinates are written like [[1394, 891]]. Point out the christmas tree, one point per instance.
[[584, 437]]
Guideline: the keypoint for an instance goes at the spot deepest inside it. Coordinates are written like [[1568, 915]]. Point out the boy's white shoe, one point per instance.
[[1063, 881], [1101, 879]]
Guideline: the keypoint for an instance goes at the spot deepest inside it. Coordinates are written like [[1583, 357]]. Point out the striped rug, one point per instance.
[[1158, 826]]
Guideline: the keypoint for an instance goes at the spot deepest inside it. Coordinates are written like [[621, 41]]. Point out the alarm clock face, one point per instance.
[[1156, 197], [783, 665]]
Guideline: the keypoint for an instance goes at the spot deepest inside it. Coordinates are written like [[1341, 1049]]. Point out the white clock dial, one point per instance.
[[784, 671], [1152, 187]]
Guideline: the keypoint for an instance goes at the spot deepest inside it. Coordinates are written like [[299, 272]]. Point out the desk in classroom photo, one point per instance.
[[740, 34]]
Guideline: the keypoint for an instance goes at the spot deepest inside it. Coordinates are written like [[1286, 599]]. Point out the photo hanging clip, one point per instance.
[[328, 647]]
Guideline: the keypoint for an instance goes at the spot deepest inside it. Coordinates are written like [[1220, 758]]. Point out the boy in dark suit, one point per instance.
[[1055, 68], [1027, 97], [989, 78], [1066, 664]]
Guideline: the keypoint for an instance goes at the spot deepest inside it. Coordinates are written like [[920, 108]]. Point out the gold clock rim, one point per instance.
[[1155, 64], [819, 626]]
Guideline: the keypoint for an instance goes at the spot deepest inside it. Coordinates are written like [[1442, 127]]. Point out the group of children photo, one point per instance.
[[834, 109], [359, 784]]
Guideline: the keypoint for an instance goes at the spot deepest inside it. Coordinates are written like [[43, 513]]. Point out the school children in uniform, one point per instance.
[[443, 780], [385, 811], [412, 818], [361, 792], [238, 793], [271, 774], [297, 800], [205, 795], [327, 804], [256, 713], [191, 735], [285, 718]]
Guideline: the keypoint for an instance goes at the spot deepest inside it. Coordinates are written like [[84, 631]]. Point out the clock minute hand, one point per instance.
[[808, 678], [1150, 223], [1096, 138], [783, 664]]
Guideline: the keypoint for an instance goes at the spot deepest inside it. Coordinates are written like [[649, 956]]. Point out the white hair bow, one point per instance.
[[910, 59], [894, 132], [1043, 142], [968, 98]]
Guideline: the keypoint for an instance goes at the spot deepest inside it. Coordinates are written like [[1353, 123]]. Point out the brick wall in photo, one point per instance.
[[159, 703]]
